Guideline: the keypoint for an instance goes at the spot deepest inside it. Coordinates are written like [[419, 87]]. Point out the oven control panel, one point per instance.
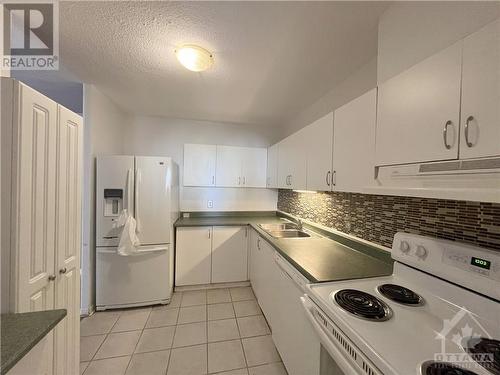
[[470, 266]]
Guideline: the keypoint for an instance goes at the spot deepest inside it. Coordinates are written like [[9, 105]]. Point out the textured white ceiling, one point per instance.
[[272, 59]]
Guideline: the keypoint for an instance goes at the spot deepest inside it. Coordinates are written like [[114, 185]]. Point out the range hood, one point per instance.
[[471, 179]]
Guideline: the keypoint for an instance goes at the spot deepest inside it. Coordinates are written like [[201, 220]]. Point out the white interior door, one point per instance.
[[228, 170], [199, 165], [319, 137], [354, 143], [152, 199], [480, 133], [35, 186], [229, 254], [68, 235], [254, 167], [418, 111], [193, 255]]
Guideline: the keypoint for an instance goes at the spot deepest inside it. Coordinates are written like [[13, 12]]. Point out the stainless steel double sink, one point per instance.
[[286, 230]]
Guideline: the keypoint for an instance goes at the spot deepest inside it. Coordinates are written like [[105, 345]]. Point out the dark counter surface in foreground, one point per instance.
[[21, 332]]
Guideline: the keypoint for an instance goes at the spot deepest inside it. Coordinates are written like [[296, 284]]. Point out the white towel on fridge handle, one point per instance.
[[129, 242]]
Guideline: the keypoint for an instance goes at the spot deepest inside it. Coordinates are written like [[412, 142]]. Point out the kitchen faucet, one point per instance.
[[299, 224]]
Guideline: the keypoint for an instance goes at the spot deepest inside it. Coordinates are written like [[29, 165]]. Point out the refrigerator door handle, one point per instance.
[[154, 249], [137, 184], [129, 191]]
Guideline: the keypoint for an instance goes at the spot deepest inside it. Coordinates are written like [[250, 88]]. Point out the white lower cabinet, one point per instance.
[[192, 255], [207, 255], [39, 360], [279, 298], [262, 277], [229, 254]]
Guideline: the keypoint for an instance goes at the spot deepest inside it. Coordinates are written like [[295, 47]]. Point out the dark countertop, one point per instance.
[[319, 259], [21, 332]]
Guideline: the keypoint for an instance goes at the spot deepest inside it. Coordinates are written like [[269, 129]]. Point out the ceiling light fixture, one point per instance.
[[194, 58]]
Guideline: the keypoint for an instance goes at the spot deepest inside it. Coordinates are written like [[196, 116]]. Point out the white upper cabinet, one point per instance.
[[319, 139], [292, 161], [480, 133], [272, 166], [254, 167], [241, 166], [354, 144], [418, 111], [228, 168], [224, 166], [199, 165]]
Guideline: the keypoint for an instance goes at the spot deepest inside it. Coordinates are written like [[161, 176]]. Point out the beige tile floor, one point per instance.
[[220, 331]]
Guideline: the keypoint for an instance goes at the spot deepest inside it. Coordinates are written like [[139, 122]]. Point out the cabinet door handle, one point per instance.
[[244, 180], [291, 180], [334, 178], [239, 180], [52, 277], [209, 233], [258, 243], [466, 132], [445, 134], [213, 180], [63, 270], [328, 177]]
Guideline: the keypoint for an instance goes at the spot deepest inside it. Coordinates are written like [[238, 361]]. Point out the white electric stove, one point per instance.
[[439, 313]]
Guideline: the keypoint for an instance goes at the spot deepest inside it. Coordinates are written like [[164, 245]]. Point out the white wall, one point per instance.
[[411, 31], [166, 137], [361, 81], [104, 131]]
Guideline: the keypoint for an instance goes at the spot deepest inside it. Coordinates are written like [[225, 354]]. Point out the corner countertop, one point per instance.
[[320, 259], [21, 332]]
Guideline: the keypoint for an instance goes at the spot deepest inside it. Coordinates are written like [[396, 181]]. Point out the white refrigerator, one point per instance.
[[148, 188]]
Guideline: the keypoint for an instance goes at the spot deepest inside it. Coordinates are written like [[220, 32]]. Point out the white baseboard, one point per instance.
[[211, 286]]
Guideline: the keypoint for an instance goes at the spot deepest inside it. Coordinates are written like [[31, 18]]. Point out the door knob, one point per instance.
[[52, 277], [63, 270]]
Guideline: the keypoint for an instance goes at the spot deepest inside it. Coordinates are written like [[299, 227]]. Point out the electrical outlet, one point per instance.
[[210, 204]]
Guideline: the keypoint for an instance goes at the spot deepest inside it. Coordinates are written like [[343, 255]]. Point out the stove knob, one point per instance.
[[421, 252], [404, 247]]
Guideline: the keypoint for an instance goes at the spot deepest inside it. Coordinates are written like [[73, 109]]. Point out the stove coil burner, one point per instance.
[[443, 368], [486, 352], [400, 294], [363, 305]]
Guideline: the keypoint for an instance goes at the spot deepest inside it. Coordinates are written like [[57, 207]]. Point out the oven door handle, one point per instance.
[[327, 341]]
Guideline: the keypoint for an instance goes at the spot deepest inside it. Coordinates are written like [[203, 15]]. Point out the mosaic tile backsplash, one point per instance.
[[377, 218]]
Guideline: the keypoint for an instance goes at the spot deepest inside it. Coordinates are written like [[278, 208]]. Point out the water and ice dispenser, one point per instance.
[[113, 202]]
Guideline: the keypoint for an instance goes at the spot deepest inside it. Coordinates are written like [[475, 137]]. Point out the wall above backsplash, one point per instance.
[[377, 218]]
